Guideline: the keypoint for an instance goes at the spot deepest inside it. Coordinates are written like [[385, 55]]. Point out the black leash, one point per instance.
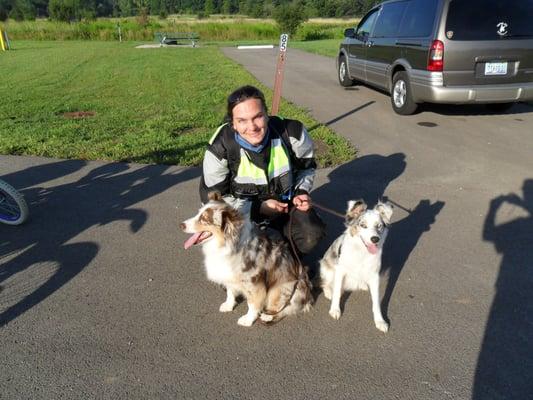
[[301, 269], [328, 210], [337, 214]]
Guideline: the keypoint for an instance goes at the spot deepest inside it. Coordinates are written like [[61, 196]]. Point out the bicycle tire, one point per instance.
[[13, 207]]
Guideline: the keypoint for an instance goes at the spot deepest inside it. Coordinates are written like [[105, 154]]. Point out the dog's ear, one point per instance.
[[230, 221], [218, 218], [355, 209], [214, 196], [385, 210]]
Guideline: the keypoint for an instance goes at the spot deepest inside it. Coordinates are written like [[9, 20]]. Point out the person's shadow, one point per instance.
[[42, 255], [505, 364], [367, 178]]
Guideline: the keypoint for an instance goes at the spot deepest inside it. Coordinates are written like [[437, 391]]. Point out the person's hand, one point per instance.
[[302, 202], [272, 207]]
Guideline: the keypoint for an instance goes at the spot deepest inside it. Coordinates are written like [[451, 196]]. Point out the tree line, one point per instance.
[[75, 10]]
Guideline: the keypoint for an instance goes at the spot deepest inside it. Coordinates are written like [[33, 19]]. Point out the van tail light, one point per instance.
[[436, 56]]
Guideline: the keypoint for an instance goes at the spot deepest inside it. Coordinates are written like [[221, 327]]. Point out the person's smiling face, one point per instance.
[[250, 121]]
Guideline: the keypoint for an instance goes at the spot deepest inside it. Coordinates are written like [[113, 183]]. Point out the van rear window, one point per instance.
[[489, 19]]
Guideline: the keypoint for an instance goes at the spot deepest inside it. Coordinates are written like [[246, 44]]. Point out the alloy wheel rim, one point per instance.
[[399, 93], [342, 71]]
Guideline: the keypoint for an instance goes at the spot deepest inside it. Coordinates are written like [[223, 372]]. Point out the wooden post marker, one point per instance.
[[283, 40]]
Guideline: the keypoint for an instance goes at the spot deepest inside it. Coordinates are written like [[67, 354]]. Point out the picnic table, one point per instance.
[[175, 38]]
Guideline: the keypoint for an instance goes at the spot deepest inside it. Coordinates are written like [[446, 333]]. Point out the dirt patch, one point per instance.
[[320, 147], [79, 114], [185, 130]]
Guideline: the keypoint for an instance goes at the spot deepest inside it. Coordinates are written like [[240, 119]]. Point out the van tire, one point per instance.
[[342, 73], [401, 95]]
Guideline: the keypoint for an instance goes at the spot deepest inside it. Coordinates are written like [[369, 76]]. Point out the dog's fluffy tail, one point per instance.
[[297, 298]]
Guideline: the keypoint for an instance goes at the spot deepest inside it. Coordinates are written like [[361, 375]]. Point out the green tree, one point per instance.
[[126, 7], [21, 10], [209, 7], [289, 17], [5, 7], [227, 7], [64, 10]]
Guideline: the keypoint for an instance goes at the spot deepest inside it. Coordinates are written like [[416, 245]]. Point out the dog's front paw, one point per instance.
[[335, 313], [226, 307], [266, 317], [382, 326], [246, 320]]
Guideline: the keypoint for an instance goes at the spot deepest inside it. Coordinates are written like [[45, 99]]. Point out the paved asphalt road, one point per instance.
[[99, 300]]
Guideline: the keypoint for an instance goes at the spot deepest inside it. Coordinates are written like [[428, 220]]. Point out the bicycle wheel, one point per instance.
[[13, 207]]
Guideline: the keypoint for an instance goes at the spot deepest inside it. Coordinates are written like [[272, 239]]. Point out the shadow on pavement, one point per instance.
[[402, 239], [38, 258], [342, 116], [474, 109], [367, 178], [505, 363]]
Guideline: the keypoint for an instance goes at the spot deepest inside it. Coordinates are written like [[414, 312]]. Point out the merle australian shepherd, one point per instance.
[[248, 262], [353, 261]]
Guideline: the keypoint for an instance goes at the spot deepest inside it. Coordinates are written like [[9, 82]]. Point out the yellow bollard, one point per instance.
[[2, 44]]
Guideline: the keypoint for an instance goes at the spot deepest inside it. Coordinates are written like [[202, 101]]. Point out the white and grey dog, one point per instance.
[[247, 261], [353, 261]]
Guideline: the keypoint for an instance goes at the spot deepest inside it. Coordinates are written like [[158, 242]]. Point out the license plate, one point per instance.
[[496, 68]]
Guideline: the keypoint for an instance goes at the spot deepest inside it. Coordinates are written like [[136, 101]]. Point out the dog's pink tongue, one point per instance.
[[192, 240], [372, 248]]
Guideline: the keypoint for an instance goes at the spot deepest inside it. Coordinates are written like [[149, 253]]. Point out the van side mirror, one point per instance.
[[349, 33]]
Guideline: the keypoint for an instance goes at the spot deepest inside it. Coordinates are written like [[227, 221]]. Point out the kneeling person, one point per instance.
[[263, 166]]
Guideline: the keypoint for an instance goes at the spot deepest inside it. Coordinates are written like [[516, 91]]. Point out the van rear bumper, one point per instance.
[[428, 87]]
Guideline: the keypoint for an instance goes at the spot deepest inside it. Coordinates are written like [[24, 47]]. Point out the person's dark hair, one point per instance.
[[242, 94]]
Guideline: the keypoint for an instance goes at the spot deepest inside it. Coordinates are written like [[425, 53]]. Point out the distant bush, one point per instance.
[[313, 31], [142, 17], [22, 10], [289, 17], [3, 14], [64, 10]]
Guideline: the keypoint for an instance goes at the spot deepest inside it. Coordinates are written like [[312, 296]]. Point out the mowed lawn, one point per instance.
[[111, 101], [328, 47]]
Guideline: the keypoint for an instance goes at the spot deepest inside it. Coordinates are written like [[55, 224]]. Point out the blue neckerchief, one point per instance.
[[256, 149]]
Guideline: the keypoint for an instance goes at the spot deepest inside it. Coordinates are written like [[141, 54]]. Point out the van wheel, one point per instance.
[[344, 78], [401, 96]]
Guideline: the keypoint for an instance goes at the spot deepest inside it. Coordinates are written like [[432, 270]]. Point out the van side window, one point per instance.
[[389, 19], [418, 18], [363, 30]]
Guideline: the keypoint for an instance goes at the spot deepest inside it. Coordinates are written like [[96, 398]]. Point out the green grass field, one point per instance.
[[149, 105], [328, 47]]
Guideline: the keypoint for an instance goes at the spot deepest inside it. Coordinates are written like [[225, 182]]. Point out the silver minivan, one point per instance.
[[443, 51]]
